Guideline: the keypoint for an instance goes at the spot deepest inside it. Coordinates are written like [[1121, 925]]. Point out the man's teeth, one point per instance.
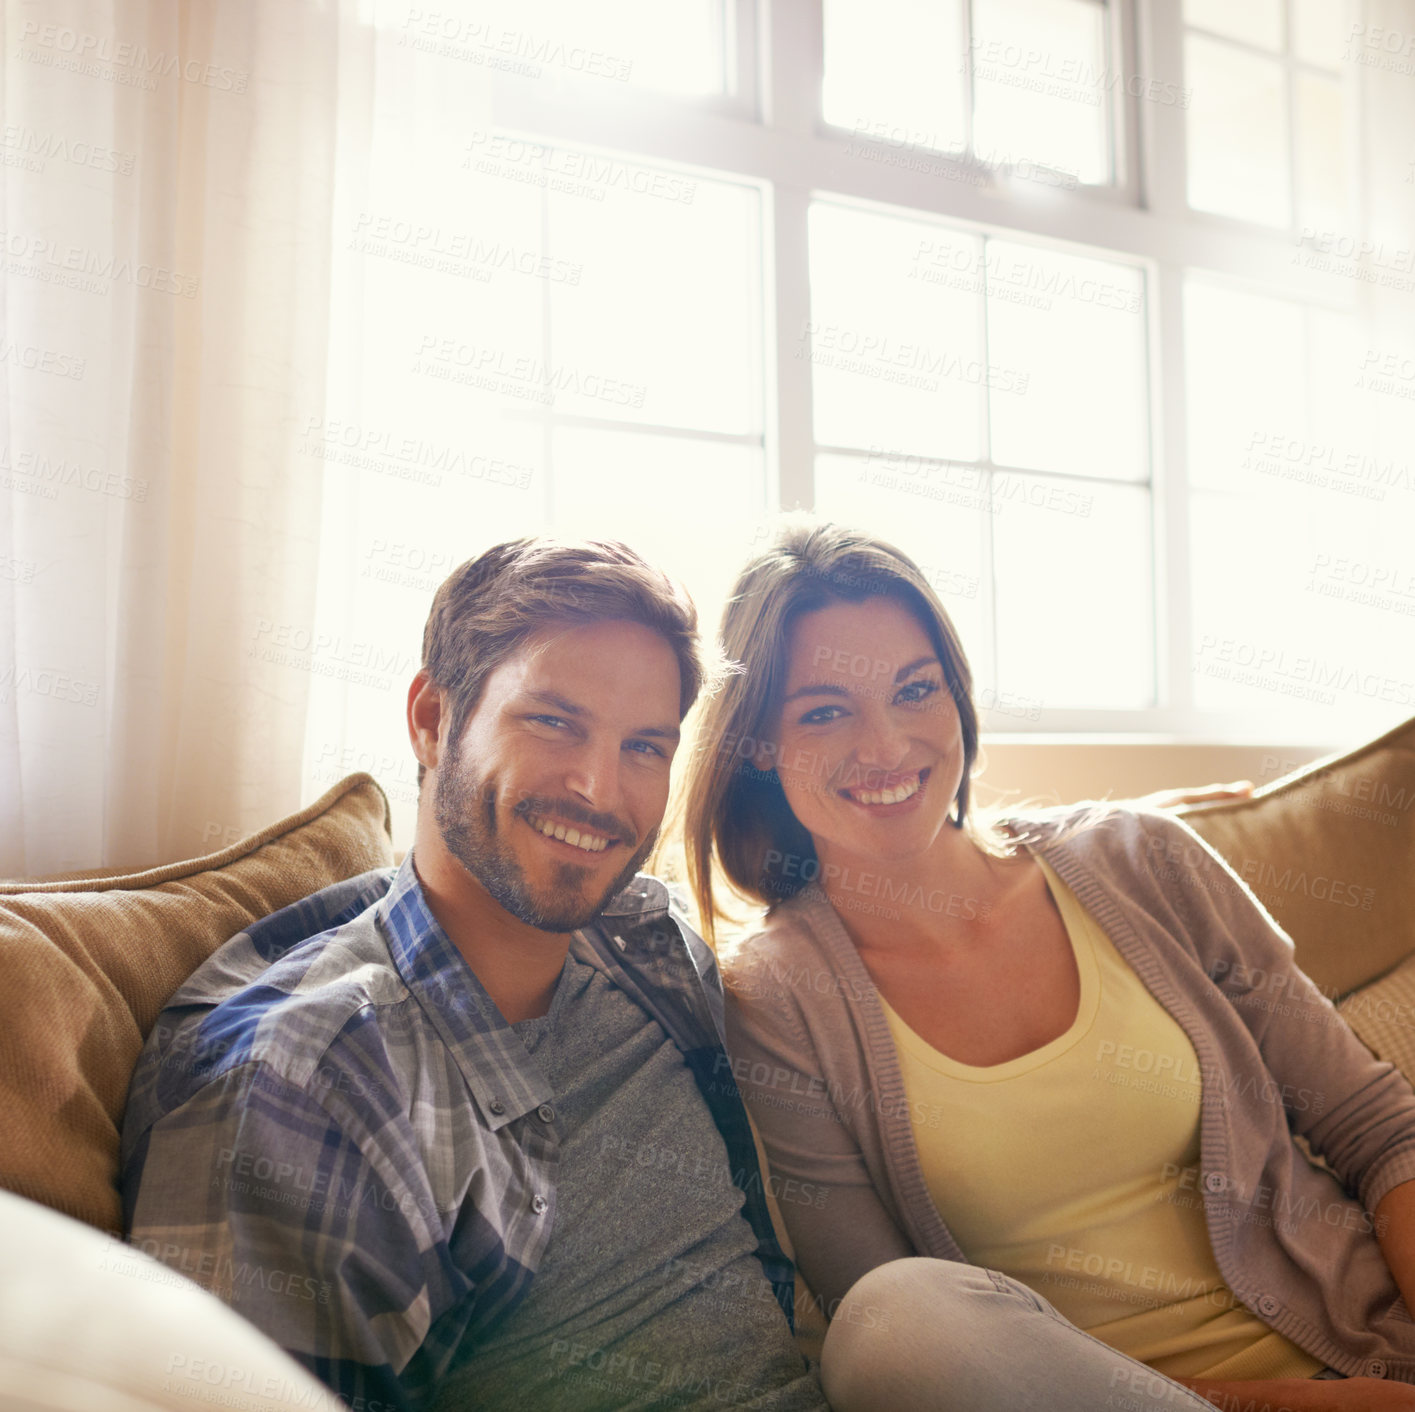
[[897, 795], [590, 842]]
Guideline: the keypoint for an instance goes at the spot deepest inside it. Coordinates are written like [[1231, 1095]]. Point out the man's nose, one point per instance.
[[593, 775]]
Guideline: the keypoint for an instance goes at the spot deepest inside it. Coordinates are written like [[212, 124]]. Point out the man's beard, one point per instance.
[[465, 812]]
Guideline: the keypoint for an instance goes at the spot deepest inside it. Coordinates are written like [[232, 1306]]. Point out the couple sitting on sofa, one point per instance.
[[479, 1116]]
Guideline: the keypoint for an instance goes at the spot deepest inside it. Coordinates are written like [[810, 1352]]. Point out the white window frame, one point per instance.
[[767, 129]]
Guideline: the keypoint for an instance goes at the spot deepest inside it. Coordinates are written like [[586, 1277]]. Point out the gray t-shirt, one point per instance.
[[650, 1295]]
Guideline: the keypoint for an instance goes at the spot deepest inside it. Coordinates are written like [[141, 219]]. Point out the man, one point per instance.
[[461, 1135]]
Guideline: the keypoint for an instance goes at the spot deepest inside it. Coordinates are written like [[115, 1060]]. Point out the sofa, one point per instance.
[[88, 1323]]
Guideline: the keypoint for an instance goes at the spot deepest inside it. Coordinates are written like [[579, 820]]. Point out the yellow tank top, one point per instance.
[[1066, 1169]]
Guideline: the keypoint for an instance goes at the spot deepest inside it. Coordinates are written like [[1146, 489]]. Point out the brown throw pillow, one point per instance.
[[1330, 852], [88, 965]]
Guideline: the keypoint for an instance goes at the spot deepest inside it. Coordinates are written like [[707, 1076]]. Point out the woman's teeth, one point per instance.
[[897, 795], [590, 842]]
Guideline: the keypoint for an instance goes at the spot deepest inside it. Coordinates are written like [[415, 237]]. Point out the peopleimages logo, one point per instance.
[[118, 61], [1074, 79]]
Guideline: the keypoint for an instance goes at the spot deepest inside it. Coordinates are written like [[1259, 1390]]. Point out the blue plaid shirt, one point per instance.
[[333, 1129]]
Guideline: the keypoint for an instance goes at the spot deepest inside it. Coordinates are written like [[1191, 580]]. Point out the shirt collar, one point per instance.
[[640, 898], [503, 1078]]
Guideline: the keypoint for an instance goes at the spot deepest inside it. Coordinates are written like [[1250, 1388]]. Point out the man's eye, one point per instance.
[[548, 720], [644, 747]]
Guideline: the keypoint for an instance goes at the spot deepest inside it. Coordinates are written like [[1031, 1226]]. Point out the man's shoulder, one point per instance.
[[277, 1006]]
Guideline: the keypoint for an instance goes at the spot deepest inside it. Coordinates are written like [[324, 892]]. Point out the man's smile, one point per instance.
[[581, 838]]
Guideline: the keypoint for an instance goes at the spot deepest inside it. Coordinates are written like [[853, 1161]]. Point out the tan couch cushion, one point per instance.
[[1383, 1015], [1330, 852], [89, 964]]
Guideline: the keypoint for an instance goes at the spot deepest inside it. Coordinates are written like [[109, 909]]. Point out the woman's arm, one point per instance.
[[838, 1225], [1355, 1110]]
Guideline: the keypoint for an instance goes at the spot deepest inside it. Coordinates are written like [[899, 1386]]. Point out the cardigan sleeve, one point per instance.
[[839, 1226], [1355, 1110]]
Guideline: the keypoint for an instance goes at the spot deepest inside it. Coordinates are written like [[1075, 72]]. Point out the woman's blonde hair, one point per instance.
[[735, 812]]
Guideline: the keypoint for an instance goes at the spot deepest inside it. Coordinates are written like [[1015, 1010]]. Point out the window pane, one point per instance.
[[1319, 31], [894, 71], [663, 297], [1310, 625], [673, 48], [1077, 328], [1237, 131], [937, 512], [1246, 377], [631, 486], [895, 339], [1246, 550], [1039, 85], [1297, 525], [1321, 152], [1075, 614], [1253, 21]]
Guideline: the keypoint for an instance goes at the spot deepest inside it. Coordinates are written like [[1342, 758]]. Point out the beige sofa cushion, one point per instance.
[[88, 964], [1383, 1015], [1330, 852]]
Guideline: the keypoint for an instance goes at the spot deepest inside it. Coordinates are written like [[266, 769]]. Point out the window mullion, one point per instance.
[[794, 33], [1163, 144], [965, 18], [1123, 105], [794, 432], [1169, 482]]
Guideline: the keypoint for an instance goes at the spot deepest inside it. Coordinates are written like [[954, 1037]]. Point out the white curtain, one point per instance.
[[165, 209]]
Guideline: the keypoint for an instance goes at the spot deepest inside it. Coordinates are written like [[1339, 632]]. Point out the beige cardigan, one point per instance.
[[812, 1052]]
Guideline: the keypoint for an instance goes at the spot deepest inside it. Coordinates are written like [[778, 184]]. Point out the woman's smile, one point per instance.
[[897, 794]]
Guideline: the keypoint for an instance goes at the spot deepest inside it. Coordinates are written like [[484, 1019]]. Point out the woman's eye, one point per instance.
[[917, 691], [821, 715], [548, 720]]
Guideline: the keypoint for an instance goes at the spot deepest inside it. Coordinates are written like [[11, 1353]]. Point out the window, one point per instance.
[[1005, 83], [1065, 296], [1267, 131]]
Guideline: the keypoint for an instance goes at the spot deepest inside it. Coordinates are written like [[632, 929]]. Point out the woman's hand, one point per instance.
[[1203, 794]]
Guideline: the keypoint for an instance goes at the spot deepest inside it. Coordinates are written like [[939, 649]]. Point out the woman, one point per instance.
[[1070, 1048]]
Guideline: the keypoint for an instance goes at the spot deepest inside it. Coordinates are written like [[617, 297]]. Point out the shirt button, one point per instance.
[[1214, 1181], [497, 1106], [545, 1113], [1376, 1368], [538, 1204], [1268, 1307]]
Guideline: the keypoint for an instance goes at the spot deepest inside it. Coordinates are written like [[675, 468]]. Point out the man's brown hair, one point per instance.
[[489, 606]]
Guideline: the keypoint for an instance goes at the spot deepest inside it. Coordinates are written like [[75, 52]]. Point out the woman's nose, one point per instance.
[[881, 743]]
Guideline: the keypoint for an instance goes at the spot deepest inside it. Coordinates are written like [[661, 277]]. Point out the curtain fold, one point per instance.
[[165, 299]]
